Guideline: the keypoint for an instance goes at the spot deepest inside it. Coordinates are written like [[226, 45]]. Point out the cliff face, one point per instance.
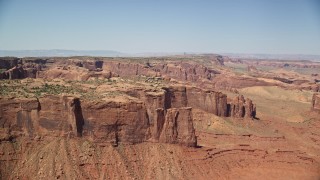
[[184, 71], [18, 115], [104, 121], [9, 62], [20, 72], [85, 69], [116, 121], [91, 65], [13, 73], [17, 68], [240, 107], [164, 116], [316, 102], [51, 115], [178, 127], [180, 71], [63, 115], [176, 97], [209, 101]]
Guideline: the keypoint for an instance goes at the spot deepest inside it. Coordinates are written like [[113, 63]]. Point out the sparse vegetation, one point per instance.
[[54, 89]]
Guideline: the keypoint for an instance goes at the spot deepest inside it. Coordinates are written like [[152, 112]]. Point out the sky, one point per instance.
[[139, 26]]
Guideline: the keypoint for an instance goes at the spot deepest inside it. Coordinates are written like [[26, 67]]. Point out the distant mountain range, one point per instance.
[[59, 52], [110, 53], [274, 56]]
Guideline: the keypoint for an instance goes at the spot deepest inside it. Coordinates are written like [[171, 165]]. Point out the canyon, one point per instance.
[[173, 117]]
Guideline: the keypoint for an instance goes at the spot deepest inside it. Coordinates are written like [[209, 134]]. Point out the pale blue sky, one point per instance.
[[133, 26]]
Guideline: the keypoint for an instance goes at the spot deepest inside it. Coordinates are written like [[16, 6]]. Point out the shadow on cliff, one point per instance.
[[79, 117]]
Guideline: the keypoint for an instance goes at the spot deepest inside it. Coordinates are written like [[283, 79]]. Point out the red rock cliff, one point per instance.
[[51, 115], [178, 127], [209, 101], [113, 121], [240, 107], [183, 71], [103, 121]]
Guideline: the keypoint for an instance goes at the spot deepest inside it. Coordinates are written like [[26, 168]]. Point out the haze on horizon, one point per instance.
[[249, 26]]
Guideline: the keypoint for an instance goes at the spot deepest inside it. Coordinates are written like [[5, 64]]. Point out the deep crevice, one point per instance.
[[78, 116]]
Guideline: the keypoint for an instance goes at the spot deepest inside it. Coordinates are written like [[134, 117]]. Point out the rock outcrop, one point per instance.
[[178, 127], [241, 107], [93, 65], [210, 101], [112, 121], [316, 102], [61, 114], [9, 62], [50, 115], [74, 73], [20, 72], [13, 73], [207, 100], [104, 121], [17, 115], [19, 68], [182, 71]]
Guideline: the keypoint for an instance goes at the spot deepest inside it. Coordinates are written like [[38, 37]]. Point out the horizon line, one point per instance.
[[170, 52]]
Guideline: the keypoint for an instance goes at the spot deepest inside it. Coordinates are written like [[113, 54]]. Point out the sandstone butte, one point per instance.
[[163, 117]]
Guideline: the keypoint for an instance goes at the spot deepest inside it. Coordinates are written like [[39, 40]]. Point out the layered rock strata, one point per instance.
[[164, 116], [180, 71], [51, 115], [209, 101], [103, 121]]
